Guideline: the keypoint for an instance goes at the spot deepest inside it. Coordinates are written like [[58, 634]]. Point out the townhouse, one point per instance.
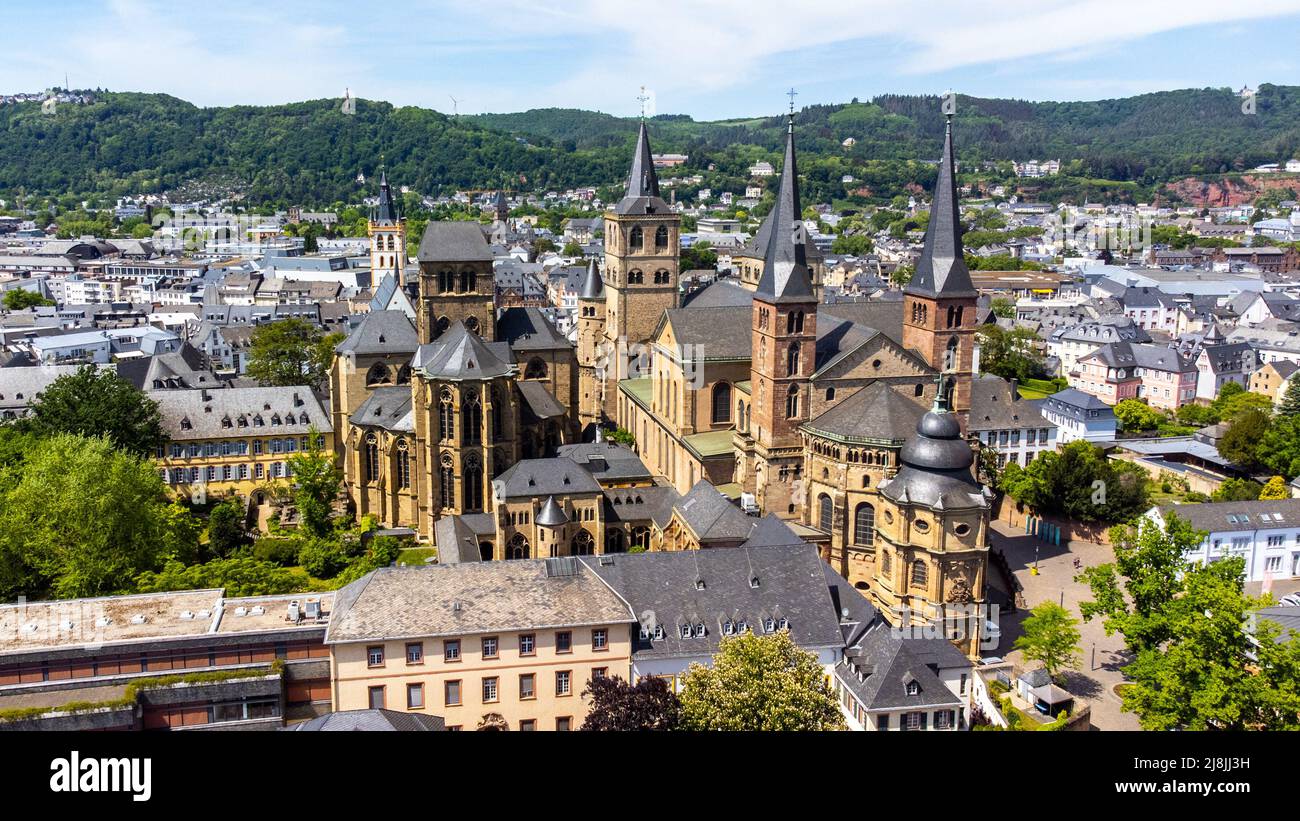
[[1266, 534]]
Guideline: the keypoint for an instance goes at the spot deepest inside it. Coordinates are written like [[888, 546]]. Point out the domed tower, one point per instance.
[[933, 534], [591, 332]]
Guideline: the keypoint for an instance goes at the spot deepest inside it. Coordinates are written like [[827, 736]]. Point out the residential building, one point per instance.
[[1266, 534], [1078, 415]]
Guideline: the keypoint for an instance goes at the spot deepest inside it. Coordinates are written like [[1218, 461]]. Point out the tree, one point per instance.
[[1198, 415], [1237, 490], [1290, 404], [226, 531], [541, 246], [240, 576], [1009, 354], [699, 256], [1201, 658], [571, 249], [1275, 488], [1079, 482], [95, 401], [316, 480], [291, 352], [1280, 449], [1241, 444], [1051, 637], [20, 299], [617, 705], [1004, 308], [759, 683], [856, 245], [1136, 415], [83, 519]]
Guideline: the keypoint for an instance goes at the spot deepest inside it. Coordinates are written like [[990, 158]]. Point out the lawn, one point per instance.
[[416, 556]]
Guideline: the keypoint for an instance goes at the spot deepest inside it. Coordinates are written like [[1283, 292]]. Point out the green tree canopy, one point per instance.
[[1050, 636], [316, 480], [1136, 415], [1290, 403], [1079, 482], [83, 519], [291, 352], [759, 683], [1009, 353], [20, 299], [1242, 443], [95, 401]]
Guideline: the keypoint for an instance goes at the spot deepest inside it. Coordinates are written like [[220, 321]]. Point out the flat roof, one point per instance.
[[31, 626]]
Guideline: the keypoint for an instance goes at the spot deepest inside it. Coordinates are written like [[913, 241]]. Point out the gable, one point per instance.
[[860, 363]]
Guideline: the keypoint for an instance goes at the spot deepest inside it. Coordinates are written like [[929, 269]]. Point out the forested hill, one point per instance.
[[310, 153]]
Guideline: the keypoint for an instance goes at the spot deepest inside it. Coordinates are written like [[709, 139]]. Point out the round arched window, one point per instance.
[[961, 529], [922, 525]]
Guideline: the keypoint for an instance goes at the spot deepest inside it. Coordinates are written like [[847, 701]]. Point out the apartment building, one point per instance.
[[235, 440], [1014, 429], [517, 638], [1118, 371], [1264, 533]]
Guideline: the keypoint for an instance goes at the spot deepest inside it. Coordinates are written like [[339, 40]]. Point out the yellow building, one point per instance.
[[236, 440], [520, 639], [1272, 378]]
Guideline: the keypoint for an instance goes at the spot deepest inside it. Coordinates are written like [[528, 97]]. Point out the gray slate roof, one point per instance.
[[381, 332], [535, 478], [372, 721], [459, 354], [207, 411], [478, 597], [528, 329], [1257, 515], [453, 242], [663, 587], [941, 270], [711, 515], [873, 413], [388, 408], [606, 460], [786, 276], [642, 195], [992, 407], [879, 668]]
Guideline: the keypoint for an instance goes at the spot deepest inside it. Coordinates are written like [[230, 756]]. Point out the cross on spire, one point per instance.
[[643, 98], [791, 94]]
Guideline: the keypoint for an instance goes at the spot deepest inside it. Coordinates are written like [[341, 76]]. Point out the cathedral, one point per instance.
[[481, 428]]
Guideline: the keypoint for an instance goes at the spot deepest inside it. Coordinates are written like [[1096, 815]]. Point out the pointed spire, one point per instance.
[[551, 514], [386, 209], [501, 206], [942, 270], [785, 263], [642, 182], [593, 287]]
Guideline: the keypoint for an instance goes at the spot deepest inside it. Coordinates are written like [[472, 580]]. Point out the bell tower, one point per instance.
[[642, 242], [784, 349], [939, 302], [387, 230], [591, 332]]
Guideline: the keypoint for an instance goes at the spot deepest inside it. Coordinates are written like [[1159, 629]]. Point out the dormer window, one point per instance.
[[699, 630], [753, 581], [729, 628], [769, 625], [913, 689], [659, 632], [699, 584], [782, 623], [686, 631]]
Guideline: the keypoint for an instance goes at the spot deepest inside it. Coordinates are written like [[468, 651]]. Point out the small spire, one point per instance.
[[785, 273], [593, 287], [941, 270], [642, 195]]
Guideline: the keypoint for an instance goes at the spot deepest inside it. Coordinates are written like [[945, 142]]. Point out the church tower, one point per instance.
[[641, 259], [939, 302], [387, 232], [591, 330], [784, 342]]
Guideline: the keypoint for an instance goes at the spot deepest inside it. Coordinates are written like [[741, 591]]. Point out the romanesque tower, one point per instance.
[[784, 340], [641, 261], [939, 302], [591, 330]]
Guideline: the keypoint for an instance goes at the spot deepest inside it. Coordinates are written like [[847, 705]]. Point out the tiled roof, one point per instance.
[[876, 412], [234, 412]]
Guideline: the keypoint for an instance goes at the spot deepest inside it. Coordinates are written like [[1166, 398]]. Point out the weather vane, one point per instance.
[[643, 98], [791, 94]]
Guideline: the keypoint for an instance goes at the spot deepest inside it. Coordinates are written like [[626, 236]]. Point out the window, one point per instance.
[[792, 402], [377, 698], [527, 688], [415, 652], [564, 642], [864, 525], [826, 513], [451, 650], [446, 416], [490, 647], [943, 720], [563, 682], [721, 403], [599, 672], [528, 645], [913, 688], [563, 724], [451, 694], [920, 573], [792, 360], [914, 721], [1273, 564], [527, 725], [599, 639], [489, 690], [415, 696], [375, 656], [661, 238], [882, 723]]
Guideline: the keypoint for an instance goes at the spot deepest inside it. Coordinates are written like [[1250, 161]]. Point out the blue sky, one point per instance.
[[711, 59]]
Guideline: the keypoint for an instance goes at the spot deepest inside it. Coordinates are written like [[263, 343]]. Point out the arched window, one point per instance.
[[635, 277], [446, 416], [467, 281], [517, 548], [378, 374], [404, 375], [473, 483], [496, 414], [403, 465], [825, 513], [447, 482], [792, 402], [919, 390], [886, 565], [472, 411], [830, 394], [634, 238], [950, 355], [582, 545], [794, 322], [615, 542], [864, 525], [372, 458], [641, 538], [792, 360], [722, 402], [446, 281], [471, 324], [919, 573], [661, 238], [536, 368], [442, 325]]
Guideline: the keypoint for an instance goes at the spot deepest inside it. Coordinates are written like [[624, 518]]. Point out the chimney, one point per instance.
[[1014, 396]]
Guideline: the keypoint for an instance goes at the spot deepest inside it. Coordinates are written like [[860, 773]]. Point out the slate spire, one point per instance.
[[942, 270], [785, 274], [643, 181], [593, 287], [386, 209]]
